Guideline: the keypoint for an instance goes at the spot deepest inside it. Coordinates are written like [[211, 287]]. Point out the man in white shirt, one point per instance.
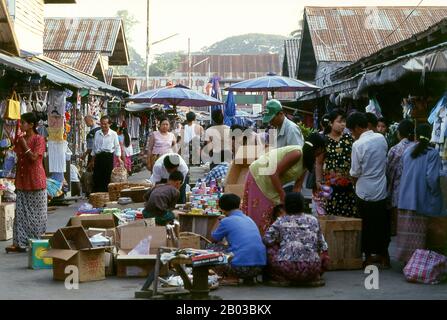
[[166, 165], [105, 146], [218, 146], [368, 167], [192, 135]]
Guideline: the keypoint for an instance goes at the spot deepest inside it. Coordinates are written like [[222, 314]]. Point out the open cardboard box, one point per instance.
[[101, 221], [71, 247], [128, 237]]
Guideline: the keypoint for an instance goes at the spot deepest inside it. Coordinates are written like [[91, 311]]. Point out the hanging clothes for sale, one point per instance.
[[56, 134], [56, 103], [439, 126], [134, 125], [56, 122], [56, 156]]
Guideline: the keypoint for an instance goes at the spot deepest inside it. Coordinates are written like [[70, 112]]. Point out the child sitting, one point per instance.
[[161, 200], [244, 240]]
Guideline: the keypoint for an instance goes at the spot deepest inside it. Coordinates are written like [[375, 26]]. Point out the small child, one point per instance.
[[162, 199]]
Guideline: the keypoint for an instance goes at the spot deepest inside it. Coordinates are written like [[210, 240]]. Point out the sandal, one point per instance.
[[15, 249]]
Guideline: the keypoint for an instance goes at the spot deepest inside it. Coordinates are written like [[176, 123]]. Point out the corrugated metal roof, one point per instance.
[[291, 53], [104, 35], [8, 39], [83, 61], [233, 66], [350, 33]]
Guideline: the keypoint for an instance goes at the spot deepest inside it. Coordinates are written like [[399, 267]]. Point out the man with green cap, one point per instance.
[[288, 133]]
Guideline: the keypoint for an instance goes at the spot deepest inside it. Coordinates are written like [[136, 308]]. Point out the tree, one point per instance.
[[165, 64], [129, 22], [137, 65]]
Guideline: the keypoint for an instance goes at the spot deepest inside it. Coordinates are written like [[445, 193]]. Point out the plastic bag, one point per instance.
[[374, 108], [426, 267], [143, 248], [85, 207]]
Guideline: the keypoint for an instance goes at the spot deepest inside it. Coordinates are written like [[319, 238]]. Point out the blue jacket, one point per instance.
[[420, 188]]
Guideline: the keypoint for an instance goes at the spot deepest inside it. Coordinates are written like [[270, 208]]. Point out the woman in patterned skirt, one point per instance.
[[332, 168], [266, 177], [420, 195], [31, 212]]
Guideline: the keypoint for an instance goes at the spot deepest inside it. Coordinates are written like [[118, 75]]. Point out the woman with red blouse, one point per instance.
[[31, 206]]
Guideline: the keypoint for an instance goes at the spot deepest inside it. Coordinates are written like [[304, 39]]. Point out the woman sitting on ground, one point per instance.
[[302, 255]]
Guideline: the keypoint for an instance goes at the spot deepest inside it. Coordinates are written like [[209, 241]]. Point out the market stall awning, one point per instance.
[[137, 107], [433, 59], [56, 73]]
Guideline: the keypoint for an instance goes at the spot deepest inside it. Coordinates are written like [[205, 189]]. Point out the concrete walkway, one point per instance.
[[18, 282]]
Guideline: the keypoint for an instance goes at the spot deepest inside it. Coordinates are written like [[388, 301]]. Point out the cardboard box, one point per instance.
[[235, 179], [135, 266], [36, 260], [129, 236], [101, 221], [189, 240], [71, 247], [7, 213], [137, 195], [109, 261]]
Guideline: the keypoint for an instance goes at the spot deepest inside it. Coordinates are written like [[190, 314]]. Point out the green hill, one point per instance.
[[252, 43]]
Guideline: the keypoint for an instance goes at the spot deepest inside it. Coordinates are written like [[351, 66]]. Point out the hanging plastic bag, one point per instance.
[[13, 107], [374, 107], [143, 248]]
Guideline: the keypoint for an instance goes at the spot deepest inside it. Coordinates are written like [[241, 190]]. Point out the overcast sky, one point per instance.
[[208, 21]]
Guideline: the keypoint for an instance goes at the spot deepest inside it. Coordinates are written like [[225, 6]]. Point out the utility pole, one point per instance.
[[148, 44], [189, 64]]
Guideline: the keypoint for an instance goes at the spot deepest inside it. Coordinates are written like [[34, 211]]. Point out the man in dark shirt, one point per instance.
[[161, 199]]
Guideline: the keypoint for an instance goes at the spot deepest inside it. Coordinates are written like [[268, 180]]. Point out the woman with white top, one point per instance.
[[160, 142]]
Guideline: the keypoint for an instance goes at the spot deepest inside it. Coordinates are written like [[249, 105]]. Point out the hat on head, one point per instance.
[[272, 108]]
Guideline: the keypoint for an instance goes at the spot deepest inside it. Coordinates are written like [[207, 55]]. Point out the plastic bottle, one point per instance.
[[212, 186]]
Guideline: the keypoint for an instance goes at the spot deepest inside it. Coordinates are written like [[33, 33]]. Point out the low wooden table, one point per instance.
[[197, 289]]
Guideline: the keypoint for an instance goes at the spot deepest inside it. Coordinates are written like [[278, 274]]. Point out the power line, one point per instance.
[[405, 20]]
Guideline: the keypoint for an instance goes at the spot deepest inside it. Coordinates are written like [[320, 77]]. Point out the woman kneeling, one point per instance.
[[301, 257]]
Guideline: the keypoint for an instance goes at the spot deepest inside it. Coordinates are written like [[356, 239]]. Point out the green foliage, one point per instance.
[[129, 22], [306, 131], [136, 67], [252, 43], [165, 64]]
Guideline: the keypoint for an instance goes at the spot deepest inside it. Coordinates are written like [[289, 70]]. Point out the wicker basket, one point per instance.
[[119, 175], [99, 200], [115, 189]]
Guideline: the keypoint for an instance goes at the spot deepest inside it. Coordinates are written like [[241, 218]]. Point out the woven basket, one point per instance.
[[99, 200], [119, 175], [115, 189]]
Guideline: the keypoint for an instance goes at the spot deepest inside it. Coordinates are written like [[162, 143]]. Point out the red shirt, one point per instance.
[[30, 175]]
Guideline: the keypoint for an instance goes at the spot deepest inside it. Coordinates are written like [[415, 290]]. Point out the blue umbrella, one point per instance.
[[175, 96], [272, 83], [230, 109]]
